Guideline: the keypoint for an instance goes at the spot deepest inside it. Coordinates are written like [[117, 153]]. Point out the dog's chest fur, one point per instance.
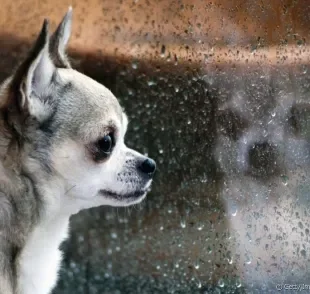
[[29, 240], [40, 258]]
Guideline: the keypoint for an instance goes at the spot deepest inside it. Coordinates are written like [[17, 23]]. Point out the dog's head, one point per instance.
[[69, 130]]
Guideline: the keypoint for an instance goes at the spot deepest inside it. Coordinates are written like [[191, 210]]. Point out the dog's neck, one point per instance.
[[38, 257], [33, 200]]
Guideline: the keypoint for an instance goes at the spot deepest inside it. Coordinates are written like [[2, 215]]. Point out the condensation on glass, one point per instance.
[[218, 93]]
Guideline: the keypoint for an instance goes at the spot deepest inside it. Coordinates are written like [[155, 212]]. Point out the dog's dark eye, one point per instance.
[[101, 149], [105, 144]]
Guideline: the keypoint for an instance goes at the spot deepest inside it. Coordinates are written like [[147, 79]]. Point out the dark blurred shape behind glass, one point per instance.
[[218, 93]]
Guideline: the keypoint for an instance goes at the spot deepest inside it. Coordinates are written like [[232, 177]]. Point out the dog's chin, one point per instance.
[[124, 199]]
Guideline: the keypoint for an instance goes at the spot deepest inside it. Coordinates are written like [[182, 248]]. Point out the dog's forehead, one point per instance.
[[87, 107], [87, 91]]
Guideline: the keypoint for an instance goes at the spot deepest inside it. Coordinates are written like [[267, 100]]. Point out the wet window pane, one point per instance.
[[217, 92]]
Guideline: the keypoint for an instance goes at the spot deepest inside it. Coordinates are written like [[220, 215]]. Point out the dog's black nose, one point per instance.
[[148, 166]]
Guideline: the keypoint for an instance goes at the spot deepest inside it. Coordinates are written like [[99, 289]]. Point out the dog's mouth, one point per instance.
[[125, 196]]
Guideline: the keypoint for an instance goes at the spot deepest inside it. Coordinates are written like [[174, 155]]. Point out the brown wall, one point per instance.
[[187, 29]]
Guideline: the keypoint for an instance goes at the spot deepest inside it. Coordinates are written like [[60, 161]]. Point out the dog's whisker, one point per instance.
[[70, 189]]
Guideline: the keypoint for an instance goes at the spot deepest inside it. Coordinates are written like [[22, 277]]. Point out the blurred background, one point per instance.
[[218, 93]]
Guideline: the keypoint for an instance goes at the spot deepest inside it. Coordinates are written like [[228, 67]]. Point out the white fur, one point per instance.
[[40, 259]]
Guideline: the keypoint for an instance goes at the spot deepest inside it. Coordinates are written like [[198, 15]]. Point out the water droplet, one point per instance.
[[265, 133], [161, 151], [229, 257], [249, 237], [134, 65], [204, 180], [273, 114], [151, 83], [161, 228], [163, 51], [196, 265], [238, 283], [248, 259], [221, 283], [183, 224], [168, 57], [199, 285], [284, 179], [200, 227], [234, 210], [130, 92], [113, 235], [189, 122]]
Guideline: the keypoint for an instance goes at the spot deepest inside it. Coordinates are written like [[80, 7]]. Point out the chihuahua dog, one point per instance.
[[61, 150]]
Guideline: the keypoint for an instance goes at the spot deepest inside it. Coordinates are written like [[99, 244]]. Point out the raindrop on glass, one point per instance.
[[151, 83], [200, 227], [196, 265], [238, 283], [284, 179], [163, 51], [221, 283], [134, 65], [234, 210], [248, 259], [183, 224]]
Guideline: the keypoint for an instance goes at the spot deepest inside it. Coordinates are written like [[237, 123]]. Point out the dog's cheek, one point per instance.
[[71, 164]]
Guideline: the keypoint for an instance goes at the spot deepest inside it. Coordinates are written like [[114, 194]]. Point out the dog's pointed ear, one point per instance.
[[31, 83], [59, 41]]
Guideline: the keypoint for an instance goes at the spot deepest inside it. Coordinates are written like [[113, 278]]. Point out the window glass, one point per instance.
[[217, 92]]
